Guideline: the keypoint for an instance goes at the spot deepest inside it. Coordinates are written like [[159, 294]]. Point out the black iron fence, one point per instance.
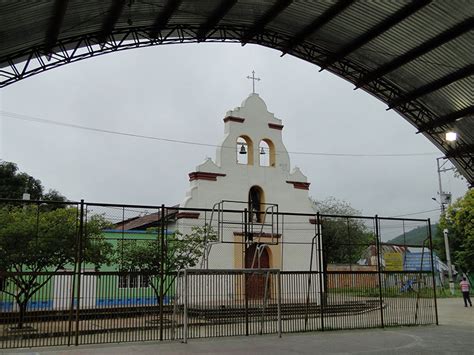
[[86, 273]]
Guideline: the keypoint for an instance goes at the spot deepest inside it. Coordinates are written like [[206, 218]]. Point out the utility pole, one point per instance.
[[445, 198]]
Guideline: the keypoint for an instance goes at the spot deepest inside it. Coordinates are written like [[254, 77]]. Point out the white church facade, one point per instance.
[[252, 170]]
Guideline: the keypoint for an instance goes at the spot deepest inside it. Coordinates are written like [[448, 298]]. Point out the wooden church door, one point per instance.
[[255, 283]]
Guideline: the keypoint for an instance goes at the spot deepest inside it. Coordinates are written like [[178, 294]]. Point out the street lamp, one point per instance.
[[451, 136], [445, 199]]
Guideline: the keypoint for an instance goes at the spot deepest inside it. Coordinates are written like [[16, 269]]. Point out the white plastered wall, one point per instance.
[[238, 180]]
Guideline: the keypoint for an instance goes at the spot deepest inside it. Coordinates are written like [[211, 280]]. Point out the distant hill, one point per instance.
[[415, 236]]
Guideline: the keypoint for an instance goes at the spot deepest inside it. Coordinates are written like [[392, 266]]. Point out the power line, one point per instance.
[[415, 213], [172, 140]]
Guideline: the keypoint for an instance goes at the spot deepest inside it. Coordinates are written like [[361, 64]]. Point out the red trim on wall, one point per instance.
[[190, 215], [276, 126], [200, 175], [300, 185], [234, 119]]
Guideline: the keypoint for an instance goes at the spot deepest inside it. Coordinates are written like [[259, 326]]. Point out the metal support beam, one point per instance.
[[433, 86], [115, 10], [215, 18], [84, 46], [266, 18], [54, 27], [447, 119], [467, 149], [417, 52], [377, 30], [164, 16], [325, 17]]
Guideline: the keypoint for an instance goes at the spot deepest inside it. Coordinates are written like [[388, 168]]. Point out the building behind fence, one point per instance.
[[178, 296]]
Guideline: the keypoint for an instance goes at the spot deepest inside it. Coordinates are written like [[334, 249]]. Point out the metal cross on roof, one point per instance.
[[253, 78]]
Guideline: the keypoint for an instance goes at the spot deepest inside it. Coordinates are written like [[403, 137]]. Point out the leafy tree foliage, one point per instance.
[[34, 241], [459, 220], [181, 252], [344, 239], [14, 183]]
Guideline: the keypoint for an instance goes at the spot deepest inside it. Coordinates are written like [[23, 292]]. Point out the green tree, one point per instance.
[[181, 252], [14, 183], [459, 221], [33, 241], [344, 238]]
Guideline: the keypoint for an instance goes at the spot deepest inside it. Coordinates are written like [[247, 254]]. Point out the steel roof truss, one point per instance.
[[416, 52], [467, 149], [163, 17], [433, 86], [216, 16], [54, 27], [376, 31], [266, 18], [111, 19], [319, 22], [447, 119]]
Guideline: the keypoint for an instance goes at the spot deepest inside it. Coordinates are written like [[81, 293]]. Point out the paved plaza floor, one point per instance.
[[454, 335]]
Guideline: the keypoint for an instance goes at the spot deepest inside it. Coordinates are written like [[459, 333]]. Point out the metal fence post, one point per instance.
[[265, 298], [279, 303], [433, 272], [245, 275], [321, 272], [185, 307], [79, 269], [379, 265], [73, 283], [162, 268]]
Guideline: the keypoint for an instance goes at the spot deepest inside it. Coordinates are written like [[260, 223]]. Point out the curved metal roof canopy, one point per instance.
[[416, 56]]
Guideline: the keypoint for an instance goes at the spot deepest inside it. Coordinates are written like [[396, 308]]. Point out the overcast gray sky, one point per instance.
[[183, 92]]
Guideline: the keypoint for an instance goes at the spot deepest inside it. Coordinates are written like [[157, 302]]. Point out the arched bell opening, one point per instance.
[[244, 150], [266, 150]]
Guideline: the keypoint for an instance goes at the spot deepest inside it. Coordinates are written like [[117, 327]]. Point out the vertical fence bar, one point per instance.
[[162, 268], [433, 271], [279, 303], [246, 277], [418, 281], [185, 308], [79, 269], [321, 268], [377, 240], [73, 283], [310, 275], [264, 305], [175, 307]]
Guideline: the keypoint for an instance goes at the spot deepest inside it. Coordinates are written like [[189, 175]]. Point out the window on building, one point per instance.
[[145, 281], [123, 281], [133, 281]]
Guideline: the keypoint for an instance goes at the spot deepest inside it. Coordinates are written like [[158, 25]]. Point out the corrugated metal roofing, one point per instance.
[[315, 31]]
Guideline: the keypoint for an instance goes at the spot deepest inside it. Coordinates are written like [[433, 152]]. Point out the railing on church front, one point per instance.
[[130, 277]]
